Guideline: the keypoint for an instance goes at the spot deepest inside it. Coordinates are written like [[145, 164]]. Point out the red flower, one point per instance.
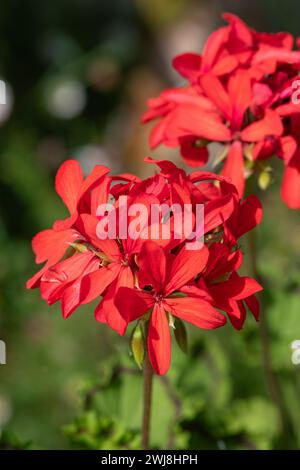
[[134, 275], [51, 245], [228, 291], [246, 216], [237, 95], [166, 274]]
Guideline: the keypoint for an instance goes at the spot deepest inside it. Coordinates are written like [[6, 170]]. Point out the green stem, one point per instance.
[[148, 379]]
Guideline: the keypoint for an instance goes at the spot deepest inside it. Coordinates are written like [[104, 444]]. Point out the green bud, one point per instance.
[[137, 345], [171, 321], [181, 335], [264, 179], [80, 247]]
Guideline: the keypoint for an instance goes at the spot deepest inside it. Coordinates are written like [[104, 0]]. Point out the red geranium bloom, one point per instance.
[[105, 265], [166, 274], [133, 274], [237, 95], [50, 245], [227, 290]]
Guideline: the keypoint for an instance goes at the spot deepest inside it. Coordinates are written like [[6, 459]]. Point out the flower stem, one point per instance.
[[148, 379]]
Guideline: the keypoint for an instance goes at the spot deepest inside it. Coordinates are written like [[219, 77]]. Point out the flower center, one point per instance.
[[125, 259], [159, 298], [236, 136]]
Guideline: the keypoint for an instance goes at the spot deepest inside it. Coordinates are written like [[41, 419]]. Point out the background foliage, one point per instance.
[[79, 74]]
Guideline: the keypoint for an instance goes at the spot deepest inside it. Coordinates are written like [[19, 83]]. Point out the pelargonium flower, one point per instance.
[[165, 274], [50, 245], [141, 276], [239, 94]]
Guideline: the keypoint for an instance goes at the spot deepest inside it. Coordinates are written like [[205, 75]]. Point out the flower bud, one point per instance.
[[264, 179], [80, 247], [137, 345]]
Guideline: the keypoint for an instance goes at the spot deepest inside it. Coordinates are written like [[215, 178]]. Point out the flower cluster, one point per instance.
[[134, 277], [239, 94]]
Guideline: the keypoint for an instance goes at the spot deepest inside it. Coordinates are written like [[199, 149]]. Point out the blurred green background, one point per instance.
[[78, 74]]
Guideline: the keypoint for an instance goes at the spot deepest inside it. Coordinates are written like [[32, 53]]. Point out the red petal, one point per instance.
[[262, 94], [158, 133], [242, 33], [95, 283], [98, 172], [65, 224], [215, 91], [218, 210], [68, 182], [290, 188], [62, 276], [51, 245], [250, 215], [159, 340], [193, 156], [222, 261], [107, 246], [68, 269], [281, 40], [270, 125], [71, 296], [240, 94], [133, 303], [188, 96], [288, 109], [107, 308], [253, 305], [225, 65], [195, 310], [128, 177], [236, 288], [189, 120], [197, 176], [167, 167], [34, 281], [212, 47], [185, 266], [100, 195], [152, 263], [288, 148], [188, 64], [234, 166], [266, 53], [70, 300], [237, 314]]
